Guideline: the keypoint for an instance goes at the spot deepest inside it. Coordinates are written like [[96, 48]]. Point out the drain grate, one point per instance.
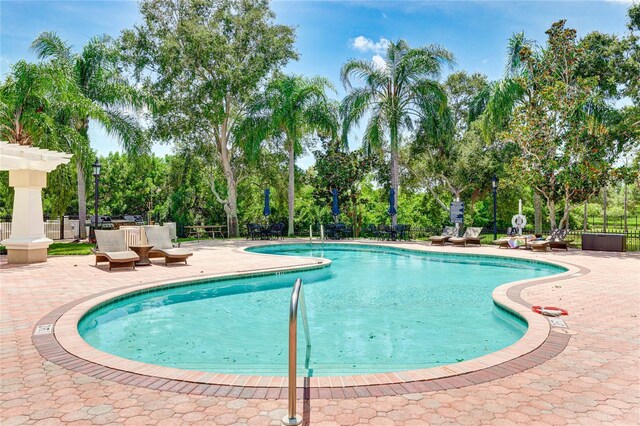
[[43, 329], [557, 322]]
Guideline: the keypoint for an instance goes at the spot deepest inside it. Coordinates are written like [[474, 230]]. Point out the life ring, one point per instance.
[[550, 311], [519, 221]]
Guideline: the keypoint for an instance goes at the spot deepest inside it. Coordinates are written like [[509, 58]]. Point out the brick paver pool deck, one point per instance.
[[588, 374]]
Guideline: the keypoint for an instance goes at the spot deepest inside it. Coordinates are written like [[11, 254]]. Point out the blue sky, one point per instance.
[[330, 32]]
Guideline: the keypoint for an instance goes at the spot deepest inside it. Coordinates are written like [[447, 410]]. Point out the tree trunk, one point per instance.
[[585, 218], [625, 208], [82, 199], [537, 212], [231, 205], [564, 222], [604, 208], [292, 183], [551, 205], [394, 183]]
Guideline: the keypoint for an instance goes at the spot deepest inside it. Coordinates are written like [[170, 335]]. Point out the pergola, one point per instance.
[[28, 168]]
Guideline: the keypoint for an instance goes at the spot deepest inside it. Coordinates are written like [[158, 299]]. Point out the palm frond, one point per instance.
[[48, 45]]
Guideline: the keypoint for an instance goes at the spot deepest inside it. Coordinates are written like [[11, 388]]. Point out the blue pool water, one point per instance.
[[373, 309]]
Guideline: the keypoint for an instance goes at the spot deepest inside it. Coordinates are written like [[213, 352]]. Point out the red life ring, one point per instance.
[[540, 309]]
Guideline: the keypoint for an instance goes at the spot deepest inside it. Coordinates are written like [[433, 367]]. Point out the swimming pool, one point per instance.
[[374, 309]]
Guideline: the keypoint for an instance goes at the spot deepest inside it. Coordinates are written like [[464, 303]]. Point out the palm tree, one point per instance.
[[98, 78], [290, 109], [400, 95], [31, 98]]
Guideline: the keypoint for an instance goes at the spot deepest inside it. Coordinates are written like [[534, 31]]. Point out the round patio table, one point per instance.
[[143, 252]]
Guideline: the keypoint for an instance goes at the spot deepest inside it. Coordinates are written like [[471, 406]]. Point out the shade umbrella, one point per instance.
[[335, 208], [392, 203], [267, 207]]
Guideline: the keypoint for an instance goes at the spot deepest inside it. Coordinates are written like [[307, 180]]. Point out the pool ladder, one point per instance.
[[297, 295]]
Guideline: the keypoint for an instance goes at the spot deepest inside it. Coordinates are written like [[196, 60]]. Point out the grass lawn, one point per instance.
[[70, 249]]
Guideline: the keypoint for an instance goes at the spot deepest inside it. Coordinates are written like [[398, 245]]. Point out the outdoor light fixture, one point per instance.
[[96, 174], [96, 168], [494, 185]]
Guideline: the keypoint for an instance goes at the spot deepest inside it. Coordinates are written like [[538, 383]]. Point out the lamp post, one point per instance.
[[494, 186], [96, 176]]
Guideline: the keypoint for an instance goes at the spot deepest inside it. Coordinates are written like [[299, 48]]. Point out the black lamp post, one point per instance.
[[96, 176], [494, 186]]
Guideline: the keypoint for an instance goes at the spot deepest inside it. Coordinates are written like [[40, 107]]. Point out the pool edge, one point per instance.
[[543, 343]]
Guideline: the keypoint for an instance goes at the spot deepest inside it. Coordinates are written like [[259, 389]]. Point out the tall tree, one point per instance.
[[400, 95], [202, 61], [98, 77], [557, 119], [291, 109], [459, 159]]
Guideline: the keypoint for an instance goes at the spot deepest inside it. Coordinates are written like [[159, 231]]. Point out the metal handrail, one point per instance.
[[296, 295]]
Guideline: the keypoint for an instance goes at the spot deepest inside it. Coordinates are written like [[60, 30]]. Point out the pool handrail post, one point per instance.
[[296, 295]]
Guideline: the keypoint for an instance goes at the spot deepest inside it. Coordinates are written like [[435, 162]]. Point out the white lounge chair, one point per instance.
[[111, 246], [160, 238]]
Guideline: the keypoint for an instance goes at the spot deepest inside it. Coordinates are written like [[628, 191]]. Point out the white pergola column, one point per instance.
[[28, 167], [27, 243]]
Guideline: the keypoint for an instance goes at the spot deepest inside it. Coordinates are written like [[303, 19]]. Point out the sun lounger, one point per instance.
[[471, 236], [515, 242], [112, 247], [160, 238], [447, 233], [557, 239]]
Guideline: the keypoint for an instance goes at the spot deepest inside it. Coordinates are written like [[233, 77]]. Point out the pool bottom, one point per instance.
[[378, 349]]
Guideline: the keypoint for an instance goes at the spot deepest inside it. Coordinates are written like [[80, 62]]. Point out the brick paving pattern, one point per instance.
[[593, 380]]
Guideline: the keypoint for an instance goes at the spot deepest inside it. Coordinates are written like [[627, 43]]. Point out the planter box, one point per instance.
[[604, 242]]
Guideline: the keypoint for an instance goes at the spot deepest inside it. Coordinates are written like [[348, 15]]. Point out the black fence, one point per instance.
[[615, 222]]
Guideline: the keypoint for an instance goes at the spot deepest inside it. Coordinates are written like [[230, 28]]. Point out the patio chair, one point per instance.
[[111, 246], [471, 236], [349, 232], [404, 232], [253, 231], [384, 232], [370, 231], [447, 233], [275, 230], [160, 238]]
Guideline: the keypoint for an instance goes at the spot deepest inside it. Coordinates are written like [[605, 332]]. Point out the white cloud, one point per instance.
[[364, 45], [379, 62]]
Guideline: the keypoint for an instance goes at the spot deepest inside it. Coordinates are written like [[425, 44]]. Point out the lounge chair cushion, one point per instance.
[[174, 252], [121, 256]]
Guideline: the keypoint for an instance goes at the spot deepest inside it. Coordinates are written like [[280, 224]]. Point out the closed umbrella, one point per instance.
[[392, 203], [267, 207], [335, 208]]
